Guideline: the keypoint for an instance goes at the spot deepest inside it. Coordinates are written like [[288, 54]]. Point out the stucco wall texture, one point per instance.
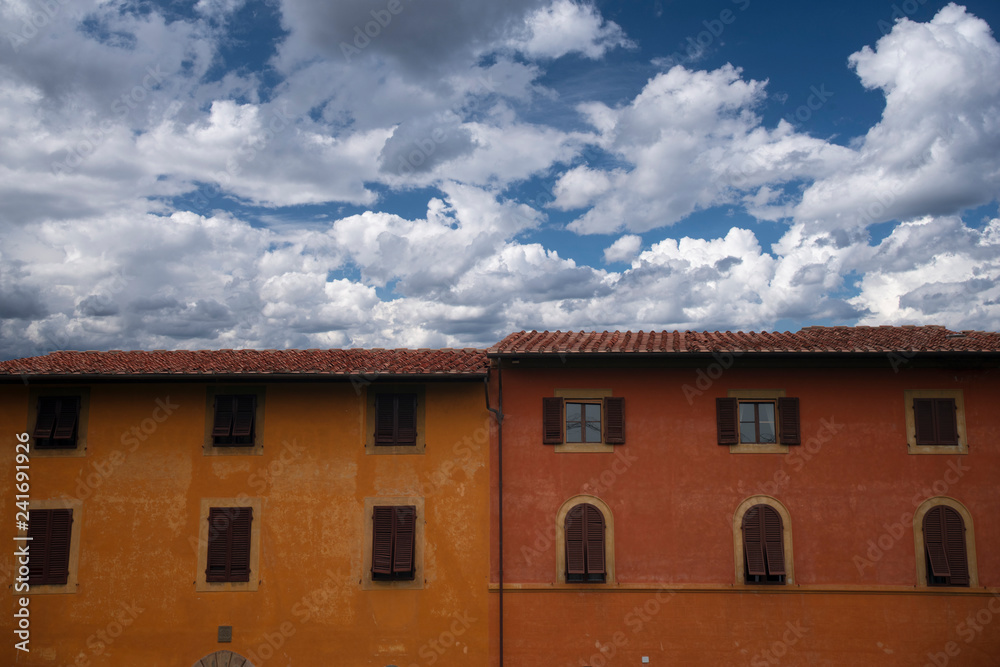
[[141, 483]]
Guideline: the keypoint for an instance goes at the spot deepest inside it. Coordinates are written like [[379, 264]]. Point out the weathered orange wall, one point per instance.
[[139, 520], [673, 493]]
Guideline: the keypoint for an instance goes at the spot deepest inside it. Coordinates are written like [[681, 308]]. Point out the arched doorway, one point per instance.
[[223, 659]]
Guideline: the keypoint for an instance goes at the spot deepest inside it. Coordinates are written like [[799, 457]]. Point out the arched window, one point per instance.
[[944, 547], [584, 531], [763, 546]]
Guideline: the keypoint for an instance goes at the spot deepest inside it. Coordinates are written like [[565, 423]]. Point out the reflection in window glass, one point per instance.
[[757, 422], [583, 422]]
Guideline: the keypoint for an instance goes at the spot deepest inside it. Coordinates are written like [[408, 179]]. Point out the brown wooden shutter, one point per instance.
[[69, 410], [594, 522], [406, 419], [38, 533], [575, 560], [405, 531], [788, 414], [552, 420], [239, 550], [753, 542], [45, 421], [946, 416], [954, 547], [923, 421], [385, 419], [773, 542], [382, 524], [725, 421], [217, 562], [50, 532], [225, 413], [246, 409], [614, 420], [934, 541]]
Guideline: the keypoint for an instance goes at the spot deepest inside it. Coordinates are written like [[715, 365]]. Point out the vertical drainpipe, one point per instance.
[[498, 414]]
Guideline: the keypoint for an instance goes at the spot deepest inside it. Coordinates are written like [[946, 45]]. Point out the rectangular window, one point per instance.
[[757, 422], [49, 532], [229, 544], [235, 417], [396, 420], [935, 421], [757, 419], [583, 422], [393, 539], [56, 422], [598, 421]]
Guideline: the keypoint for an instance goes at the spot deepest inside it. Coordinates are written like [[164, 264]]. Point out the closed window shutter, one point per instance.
[[239, 552], [406, 419], [38, 533], [50, 532], [954, 547], [552, 420], [773, 543], [614, 420], [923, 421], [246, 408], [753, 542], [934, 541], [405, 530], [382, 525], [65, 427], [946, 417], [225, 413], [575, 560], [45, 422], [725, 420], [385, 419], [788, 413], [595, 539], [218, 544]]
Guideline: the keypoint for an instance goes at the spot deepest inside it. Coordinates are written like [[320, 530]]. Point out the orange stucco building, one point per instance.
[[155, 448], [828, 497]]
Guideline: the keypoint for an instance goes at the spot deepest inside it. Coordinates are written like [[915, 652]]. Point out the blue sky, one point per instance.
[[427, 173]]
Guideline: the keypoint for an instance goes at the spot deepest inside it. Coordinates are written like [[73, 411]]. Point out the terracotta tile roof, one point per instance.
[[882, 339], [350, 362]]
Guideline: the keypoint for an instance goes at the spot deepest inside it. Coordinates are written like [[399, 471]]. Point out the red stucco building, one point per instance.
[[825, 497]]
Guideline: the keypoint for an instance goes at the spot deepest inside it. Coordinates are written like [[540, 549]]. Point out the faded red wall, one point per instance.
[[673, 511]]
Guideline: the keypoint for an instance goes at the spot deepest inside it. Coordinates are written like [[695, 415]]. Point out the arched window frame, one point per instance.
[[786, 537], [609, 538], [919, 546]]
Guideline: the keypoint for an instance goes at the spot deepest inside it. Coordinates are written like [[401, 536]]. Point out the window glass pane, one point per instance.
[[573, 412], [748, 432], [573, 432], [767, 432], [593, 417], [746, 412], [765, 412]]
